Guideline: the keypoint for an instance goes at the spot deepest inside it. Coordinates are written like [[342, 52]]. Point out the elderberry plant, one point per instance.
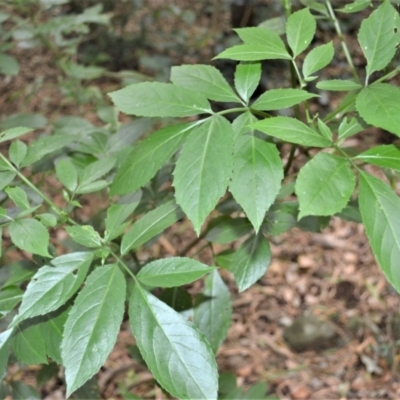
[[240, 171]]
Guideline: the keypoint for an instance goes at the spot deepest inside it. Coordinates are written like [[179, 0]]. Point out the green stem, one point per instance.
[[296, 70], [389, 75], [342, 41], [232, 110], [36, 190], [290, 160], [287, 7], [333, 114], [124, 266]]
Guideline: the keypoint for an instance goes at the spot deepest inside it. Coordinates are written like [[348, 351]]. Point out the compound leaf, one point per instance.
[[339, 85], [118, 212], [52, 329], [204, 79], [379, 207], [317, 58], [150, 225], [177, 354], [379, 36], [30, 235], [147, 157], [257, 176], [324, 185], [67, 174], [28, 343], [213, 315], [18, 196], [13, 133], [276, 99], [84, 235], [251, 261], [171, 272], [292, 130], [155, 99], [349, 128], [93, 324], [5, 344], [17, 152], [386, 156], [300, 30], [52, 286], [378, 105], [247, 78], [204, 168]]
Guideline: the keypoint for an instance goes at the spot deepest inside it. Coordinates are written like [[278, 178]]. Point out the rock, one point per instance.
[[309, 333]]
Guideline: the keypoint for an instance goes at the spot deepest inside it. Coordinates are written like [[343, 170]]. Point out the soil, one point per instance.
[[331, 275]]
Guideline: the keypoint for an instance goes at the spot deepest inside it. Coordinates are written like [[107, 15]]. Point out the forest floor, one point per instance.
[[331, 275]]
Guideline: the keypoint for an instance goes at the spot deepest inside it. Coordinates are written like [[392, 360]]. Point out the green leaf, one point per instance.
[[52, 286], [257, 176], [324, 185], [213, 316], [5, 343], [379, 37], [300, 30], [177, 298], [340, 85], [146, 158], [249, 52], [8, 65], [171, 272], [386, 156], [52, 329], [203, 79], [155, 99], [225, 229], [13, 133], [17, 272], [324, 129], [150, 225], [47, 219], [117, 213], [17, 152], [10, 296], [46, 145], [276, 99], [21, 390], [247, 78], [27, 120], [30, 235], [292, 130], [93, 324], [242, 125], [271, 42], [279, 219], [204, 168], [379, 207], [251, 261], [378, 105], [175, 351], [67, 174], [28, 343], [6, 178], [349, 128], [356, 6], [92, 187], [317, 58], [95, 170], [18, 196], [84, 235]]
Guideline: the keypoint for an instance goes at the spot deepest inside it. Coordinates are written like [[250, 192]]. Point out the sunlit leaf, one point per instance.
[[176, 353]]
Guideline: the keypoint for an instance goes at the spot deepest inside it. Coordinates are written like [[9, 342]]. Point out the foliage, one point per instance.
[[233, 179]]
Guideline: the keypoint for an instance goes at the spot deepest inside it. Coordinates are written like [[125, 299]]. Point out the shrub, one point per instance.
[[240, 172]]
